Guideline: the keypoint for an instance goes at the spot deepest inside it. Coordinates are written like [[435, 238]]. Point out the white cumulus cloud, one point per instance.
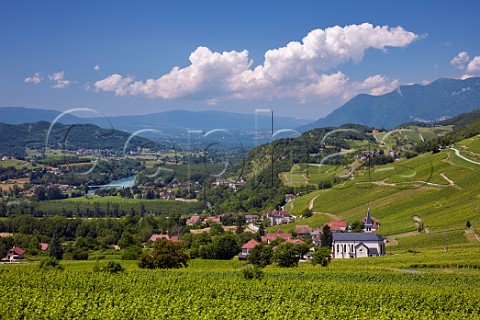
[[35, 79], [59, 81], [299, 70], [96, 67], [474, 65], [460, 60]]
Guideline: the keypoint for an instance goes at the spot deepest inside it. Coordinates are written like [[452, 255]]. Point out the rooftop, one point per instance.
[[356, 236]]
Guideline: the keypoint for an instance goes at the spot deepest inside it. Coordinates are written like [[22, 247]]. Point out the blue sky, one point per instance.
[[300, 58]]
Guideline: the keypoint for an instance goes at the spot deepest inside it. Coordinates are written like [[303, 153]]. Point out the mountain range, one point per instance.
[[168, 121], [439, 100]]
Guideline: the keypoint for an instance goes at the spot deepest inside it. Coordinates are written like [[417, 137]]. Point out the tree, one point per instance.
[[322, 256], [166, 255], [287, 255], [326, 237], [239, 229], [261, 230], [307, 213], [261, 255], [357, 226], [40, 193], [216, 229], [54, 193], [56, 250], [226, 247]]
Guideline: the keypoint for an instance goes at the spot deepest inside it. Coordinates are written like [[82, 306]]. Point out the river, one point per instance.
[[117, 184]]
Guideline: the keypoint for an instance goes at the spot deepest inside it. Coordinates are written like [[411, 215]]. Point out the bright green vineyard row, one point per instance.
[[213, 293]]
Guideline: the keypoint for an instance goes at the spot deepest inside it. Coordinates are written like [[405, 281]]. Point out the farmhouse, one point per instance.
[[44, 246], [338, 225], [303, 231], [193, 220], [246, 248], [278, 217], [154, 237], [270, 237], [15, 254]]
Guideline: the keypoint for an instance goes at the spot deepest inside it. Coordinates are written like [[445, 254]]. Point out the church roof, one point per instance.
[[356, 236]]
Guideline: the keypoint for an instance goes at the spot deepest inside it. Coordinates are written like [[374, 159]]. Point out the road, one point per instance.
[[457, 153]]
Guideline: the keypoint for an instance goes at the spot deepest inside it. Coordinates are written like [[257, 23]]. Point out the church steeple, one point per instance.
[[368, 222]]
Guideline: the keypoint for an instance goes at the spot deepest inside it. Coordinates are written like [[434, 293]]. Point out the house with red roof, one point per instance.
[[44, 246], [280, 234], [209, 220], [292, 241], [338, 225], [295, 241], [154, 237], [303, 231], [193, 220], [246, 248], [15, 254]]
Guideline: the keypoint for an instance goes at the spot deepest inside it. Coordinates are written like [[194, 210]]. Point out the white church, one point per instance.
[[358, 245]]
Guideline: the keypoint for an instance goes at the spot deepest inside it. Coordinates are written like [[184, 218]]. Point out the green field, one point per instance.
[[410, 286], [18, 164], [96, 206]]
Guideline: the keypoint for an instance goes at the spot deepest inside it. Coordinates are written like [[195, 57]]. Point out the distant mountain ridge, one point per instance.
[[17, 137], [175, 120], [439, 100]]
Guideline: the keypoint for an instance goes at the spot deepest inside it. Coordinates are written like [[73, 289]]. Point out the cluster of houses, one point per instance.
[[364, 155], [344, 244], [232, 183]]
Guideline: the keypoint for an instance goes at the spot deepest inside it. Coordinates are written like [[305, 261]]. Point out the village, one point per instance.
[[336, 234]]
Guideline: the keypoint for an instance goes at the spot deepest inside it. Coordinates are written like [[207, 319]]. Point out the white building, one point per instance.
[[358, 245]]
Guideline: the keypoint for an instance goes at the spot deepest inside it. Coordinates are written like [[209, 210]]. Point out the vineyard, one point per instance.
[[440, 189], [406, 287]]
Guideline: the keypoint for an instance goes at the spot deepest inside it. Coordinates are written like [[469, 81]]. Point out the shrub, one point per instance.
[[111, 267], [50, 263], [322, 256], [166, 255], [252, 272]]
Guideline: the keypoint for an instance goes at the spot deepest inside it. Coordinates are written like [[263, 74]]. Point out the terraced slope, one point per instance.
[[440, 190]]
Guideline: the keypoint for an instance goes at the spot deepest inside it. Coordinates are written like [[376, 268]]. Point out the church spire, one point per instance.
[[369, 219], [368, 222]]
